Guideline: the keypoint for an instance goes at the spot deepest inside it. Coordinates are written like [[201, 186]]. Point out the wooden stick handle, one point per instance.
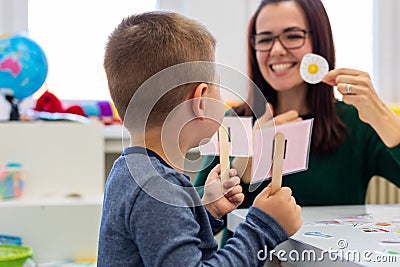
[[224, 153], [277, 163]]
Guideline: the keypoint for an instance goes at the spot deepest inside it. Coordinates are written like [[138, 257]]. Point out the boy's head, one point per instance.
[[145, 44]]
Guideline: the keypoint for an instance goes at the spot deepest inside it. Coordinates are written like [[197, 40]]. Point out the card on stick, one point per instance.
[[277, 164], [297, 145], [224, 152]]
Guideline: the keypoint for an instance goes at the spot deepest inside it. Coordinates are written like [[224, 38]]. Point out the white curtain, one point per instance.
[[14, 16], [387, 49]]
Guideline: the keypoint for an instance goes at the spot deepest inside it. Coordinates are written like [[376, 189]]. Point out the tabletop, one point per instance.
[[353, 235]]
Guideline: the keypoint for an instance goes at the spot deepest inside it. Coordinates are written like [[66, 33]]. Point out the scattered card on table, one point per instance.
[[318, 234]]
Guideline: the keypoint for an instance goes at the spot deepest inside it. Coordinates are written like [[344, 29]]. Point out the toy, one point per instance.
[[102, 110], [11, 181]]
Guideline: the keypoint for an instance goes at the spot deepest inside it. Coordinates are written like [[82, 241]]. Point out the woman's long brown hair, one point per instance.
[[328, 129]]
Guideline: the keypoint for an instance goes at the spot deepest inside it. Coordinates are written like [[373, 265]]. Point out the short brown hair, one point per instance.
[[145, 44]]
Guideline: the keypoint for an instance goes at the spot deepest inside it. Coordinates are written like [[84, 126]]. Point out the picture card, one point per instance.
[[239, 134], [395, 242], [297, 146], [317, 234], [387, 252], [375, 230]]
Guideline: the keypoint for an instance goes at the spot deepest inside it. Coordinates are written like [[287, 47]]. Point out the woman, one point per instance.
[[352, 140]]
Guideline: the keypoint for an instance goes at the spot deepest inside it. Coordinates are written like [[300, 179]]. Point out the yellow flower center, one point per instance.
[[313, 68]]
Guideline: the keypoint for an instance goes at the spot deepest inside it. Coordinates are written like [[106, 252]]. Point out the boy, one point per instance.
[[161, 76]]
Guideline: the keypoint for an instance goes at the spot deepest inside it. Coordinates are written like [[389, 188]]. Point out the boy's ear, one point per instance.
[[198, 101]]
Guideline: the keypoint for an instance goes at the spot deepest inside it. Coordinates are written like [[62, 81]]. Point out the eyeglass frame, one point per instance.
[[277, 37]]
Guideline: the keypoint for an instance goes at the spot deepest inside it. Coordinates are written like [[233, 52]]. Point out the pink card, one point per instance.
[[297, 145], [239, 132]]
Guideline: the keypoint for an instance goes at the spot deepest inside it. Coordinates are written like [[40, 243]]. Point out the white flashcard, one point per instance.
[[239, 134], [297, 145]]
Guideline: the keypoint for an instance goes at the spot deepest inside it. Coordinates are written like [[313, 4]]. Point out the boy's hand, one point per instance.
[[220, 200], [282, 207]]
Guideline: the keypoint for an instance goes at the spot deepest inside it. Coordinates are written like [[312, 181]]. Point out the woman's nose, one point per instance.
[[278, 48]]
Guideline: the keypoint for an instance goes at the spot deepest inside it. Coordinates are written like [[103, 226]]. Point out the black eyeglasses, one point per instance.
[[290, 39]]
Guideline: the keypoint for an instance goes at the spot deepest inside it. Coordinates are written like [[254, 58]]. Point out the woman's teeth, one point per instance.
[[281, 66]]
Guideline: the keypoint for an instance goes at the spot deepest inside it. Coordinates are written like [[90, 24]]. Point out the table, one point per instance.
[[355, 235]]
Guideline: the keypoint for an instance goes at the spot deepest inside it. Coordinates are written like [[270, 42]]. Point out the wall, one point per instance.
[[386, 46], [227, 20]]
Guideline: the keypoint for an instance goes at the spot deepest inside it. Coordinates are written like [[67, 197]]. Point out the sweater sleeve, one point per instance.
[[216, 225], [378, 159], [386, 161], [257, 235], [168, 235]]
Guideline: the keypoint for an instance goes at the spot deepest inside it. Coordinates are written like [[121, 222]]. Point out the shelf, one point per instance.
[[59, 159], [117, 137]]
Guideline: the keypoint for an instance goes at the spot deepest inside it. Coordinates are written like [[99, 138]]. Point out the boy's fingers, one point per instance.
[[298, 209], [293, 201], [286, 192], [235, 180], [214, 174], [232, 172], [237, 198], [217, 168], [234, 190], [266, 191]]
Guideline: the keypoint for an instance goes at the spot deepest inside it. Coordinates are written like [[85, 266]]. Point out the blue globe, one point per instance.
[[23, 66]]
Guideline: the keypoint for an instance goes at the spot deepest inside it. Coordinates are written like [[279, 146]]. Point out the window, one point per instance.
[[352, 29], [73, 34], [352, 26]]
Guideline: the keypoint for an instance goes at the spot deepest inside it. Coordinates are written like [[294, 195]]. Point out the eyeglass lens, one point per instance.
[[289, 39]]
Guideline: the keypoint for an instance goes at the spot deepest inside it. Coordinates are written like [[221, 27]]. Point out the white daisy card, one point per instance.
[[313, 68]]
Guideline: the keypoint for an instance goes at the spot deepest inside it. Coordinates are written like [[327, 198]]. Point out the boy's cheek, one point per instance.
[[216, 110]]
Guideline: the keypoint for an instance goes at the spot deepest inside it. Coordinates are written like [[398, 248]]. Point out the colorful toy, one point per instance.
[[11, 181], [10, 240], [102, 110], [396, 108]]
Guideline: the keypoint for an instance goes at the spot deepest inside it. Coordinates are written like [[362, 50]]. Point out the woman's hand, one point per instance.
[[357, 90], [267, 119]]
